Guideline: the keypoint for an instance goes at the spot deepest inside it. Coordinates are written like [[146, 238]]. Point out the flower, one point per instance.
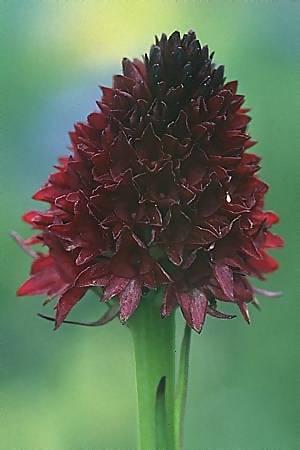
[[159, 191]]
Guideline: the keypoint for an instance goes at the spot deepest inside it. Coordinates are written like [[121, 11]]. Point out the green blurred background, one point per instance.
[[75, 389]]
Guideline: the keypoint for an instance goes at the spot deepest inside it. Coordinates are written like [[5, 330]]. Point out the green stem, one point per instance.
[[181, 388], [154, 346]]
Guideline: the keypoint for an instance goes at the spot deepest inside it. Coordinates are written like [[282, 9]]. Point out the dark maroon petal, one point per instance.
[[93, 275], [242, 289], [115, 286], [169, 302], [224, 277], [41, 263], [85, 255], [193, 305], [97, 120], [149, 147], [184, 299], [175, 254], [129, 299], [201, 236], [131, 70], [198, 308], [180, 127], [249, 248], [211, 200]]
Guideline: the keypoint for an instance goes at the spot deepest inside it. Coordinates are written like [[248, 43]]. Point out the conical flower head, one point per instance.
[[160, 191]]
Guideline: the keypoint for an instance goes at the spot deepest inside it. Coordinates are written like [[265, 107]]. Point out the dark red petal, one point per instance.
[[129, 299], [271, 218], [30, 216], [97, 120], [42, 262], [224, 277], [232, 86], [265, 265], [175, 254], [85, 255], [169, 302], [44, 280], [114, 287], [184, 299], [48, 194], [242, 289], [66, 303], [249, 248], [38, 284], [93, 275], [201, 236], [198, 309], [193, 306], [250, 143], [130, 70], [239, 121], [273, 240]]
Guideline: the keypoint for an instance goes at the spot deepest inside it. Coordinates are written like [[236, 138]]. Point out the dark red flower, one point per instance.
[[159, 191]]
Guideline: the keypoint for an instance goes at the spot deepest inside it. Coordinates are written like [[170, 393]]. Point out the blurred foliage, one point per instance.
[[75, 389]]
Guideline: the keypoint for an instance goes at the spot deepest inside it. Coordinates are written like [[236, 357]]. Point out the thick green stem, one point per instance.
[[154, 346]]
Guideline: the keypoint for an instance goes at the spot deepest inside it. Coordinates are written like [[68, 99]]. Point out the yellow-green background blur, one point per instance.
[[75, 389]]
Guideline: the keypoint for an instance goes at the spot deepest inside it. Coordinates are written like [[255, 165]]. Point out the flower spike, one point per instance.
[[160, 191]]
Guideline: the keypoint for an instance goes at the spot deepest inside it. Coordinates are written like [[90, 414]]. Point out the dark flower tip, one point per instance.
[[158, 191]]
